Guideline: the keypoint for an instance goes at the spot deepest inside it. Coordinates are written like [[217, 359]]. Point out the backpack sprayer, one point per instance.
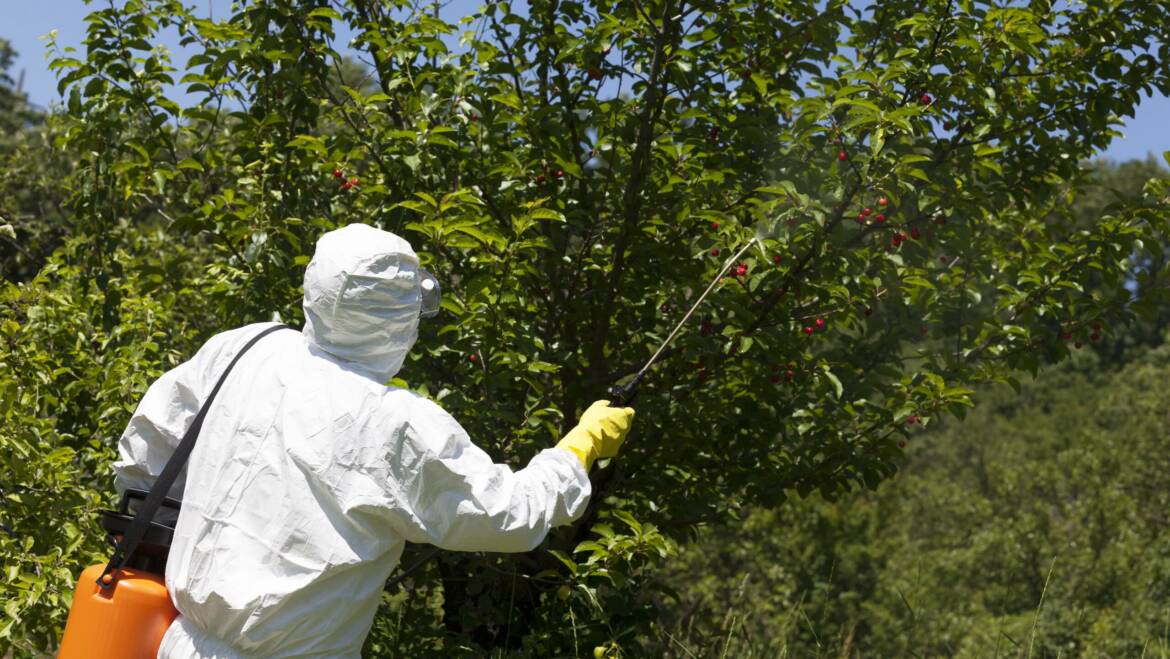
[[121, 608]]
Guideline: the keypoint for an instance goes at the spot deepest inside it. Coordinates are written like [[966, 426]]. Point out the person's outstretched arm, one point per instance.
[[447, 492]]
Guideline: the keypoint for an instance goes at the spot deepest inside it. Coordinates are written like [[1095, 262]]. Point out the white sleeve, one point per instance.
[[448, 492], [166, 411], [155, 429]]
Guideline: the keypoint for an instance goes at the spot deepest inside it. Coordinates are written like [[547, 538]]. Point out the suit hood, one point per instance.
[[362, 299]]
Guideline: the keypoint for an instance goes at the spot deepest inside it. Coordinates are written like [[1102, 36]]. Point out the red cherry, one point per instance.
[[866, 211], [808, 330], [776, 259], [942, 259], [820, 323], [473, 117], [741, 270], [714, 226], [915, 234], [912, 419], [841, 155], [789, 374], [925, 99], [560, 173], [337, 173], [714, 251], [882, 201], [352, 182], [861, 218], [540, 178], [1066, 335], [879, 218], [473, 358]]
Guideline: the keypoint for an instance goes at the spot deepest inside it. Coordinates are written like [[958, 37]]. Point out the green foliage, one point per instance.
[[1034, 528], [15, 113], [31, 219], [1110, 186], [570, 172], [67, 387]]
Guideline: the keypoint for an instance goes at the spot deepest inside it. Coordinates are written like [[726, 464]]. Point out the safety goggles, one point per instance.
[[432, 294]]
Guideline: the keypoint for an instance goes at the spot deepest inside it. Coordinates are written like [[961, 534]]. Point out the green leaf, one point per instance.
[[629, 520], [190, 163], [834, 381], [478, 235], [565, 560]]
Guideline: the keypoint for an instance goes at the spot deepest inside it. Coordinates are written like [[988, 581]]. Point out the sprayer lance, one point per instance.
[[621, 394]]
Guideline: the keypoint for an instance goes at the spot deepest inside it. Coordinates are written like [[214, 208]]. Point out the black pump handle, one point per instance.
[[622, 395]]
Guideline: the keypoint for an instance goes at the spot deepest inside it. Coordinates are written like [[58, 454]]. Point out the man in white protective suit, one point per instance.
[[310, 473]]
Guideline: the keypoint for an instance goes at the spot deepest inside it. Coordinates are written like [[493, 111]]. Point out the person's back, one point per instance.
[[309, 474]]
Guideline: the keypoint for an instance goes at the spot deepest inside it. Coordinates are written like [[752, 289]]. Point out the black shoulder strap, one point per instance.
[[162, 485]]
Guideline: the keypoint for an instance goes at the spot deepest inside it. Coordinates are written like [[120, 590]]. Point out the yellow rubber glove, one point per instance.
[[599, 433]]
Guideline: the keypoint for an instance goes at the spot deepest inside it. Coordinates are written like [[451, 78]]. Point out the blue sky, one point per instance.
[[24, 23]]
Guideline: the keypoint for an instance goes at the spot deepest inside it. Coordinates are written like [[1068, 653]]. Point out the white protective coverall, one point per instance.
[[310, 474]]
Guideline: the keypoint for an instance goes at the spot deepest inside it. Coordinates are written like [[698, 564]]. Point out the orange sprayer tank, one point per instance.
[[126, 621], [127, 618]]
